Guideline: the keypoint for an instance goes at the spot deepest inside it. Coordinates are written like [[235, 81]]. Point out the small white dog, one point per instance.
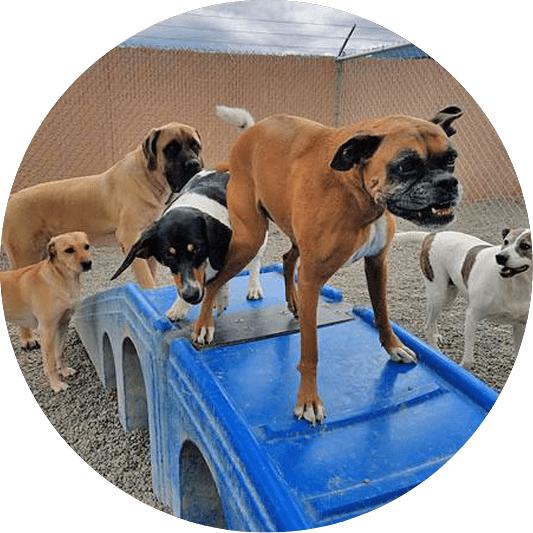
[[495, 280]]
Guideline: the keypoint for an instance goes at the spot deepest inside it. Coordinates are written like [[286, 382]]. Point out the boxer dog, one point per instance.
[[46, 294], [334, 191], [121, 202], [494, 280]]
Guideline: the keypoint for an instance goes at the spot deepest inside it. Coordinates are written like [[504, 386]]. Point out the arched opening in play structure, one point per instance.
[[136, 407], [110, 379], [200, 500]]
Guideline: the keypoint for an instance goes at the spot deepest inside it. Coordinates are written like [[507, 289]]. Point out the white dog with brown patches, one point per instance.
[[494, 280]]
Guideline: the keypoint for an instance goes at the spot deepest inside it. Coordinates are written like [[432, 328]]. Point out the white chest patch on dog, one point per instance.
[[375, 242], [210, 272], [205, 205]]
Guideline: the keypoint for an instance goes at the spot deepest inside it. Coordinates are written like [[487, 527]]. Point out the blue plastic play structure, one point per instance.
[[226, 449]]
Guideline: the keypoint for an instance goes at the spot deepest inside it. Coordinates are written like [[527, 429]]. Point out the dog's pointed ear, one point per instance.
[[141, 249], [505, 232], [445, 117], [355, 151], [52, 251], [149, 147]]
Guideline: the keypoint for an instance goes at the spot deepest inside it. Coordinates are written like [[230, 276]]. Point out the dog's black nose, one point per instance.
[[87, 265], [192, 295], [501, 259], [192, 166], [448, 183]]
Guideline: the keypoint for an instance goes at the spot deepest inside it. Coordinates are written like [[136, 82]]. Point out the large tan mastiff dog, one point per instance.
[[46, 294], [332, 191], [122, 202]]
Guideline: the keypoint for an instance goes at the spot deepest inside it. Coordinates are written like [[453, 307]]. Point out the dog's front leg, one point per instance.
[[62, 330], [153, 265], [309, 405], [518, 334], [203, 331], [376, 277], [49, 345], [291, 293], [221, 302], [255, 291], [471, 321], [143, 274]]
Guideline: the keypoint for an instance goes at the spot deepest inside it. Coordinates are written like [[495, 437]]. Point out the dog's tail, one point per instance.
[[410, 237], [235, 116]]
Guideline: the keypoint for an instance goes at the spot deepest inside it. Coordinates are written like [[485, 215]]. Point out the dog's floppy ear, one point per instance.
[[200, 156], [150, 149], [52, 251], [355, 151], [141, 249], [445, 117], [218, 237]]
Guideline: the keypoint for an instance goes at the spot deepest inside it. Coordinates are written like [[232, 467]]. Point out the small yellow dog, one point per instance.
[[45, 294]]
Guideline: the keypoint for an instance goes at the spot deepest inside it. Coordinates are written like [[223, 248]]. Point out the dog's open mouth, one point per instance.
[[434, 215], [507, 272]]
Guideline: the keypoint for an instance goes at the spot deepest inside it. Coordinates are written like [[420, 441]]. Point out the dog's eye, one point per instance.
[[506, 242], [86, 247], [409, 166], [525, 246], [449, 159], [194, 146], [69, 250], [172, 149], [191, 248]]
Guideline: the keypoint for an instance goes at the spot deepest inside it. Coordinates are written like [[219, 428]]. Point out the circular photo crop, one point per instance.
[[266, 266]]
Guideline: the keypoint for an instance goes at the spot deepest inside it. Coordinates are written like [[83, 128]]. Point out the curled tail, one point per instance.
[[235, 116]]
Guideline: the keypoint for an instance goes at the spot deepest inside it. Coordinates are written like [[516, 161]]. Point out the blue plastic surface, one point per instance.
[[388, 426]]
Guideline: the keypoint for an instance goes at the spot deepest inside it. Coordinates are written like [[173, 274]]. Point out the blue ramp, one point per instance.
[[226, 449]]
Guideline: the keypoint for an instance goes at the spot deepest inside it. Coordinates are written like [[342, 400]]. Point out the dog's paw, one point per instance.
[[255, 292], [203, 336], [467, 365], [436, 340], [402, 354], [30, 344], [179, 310], [57, 385], [312, 412], [67, 371]]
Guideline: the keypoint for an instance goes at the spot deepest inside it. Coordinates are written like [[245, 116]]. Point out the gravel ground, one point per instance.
[[85, 414]]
